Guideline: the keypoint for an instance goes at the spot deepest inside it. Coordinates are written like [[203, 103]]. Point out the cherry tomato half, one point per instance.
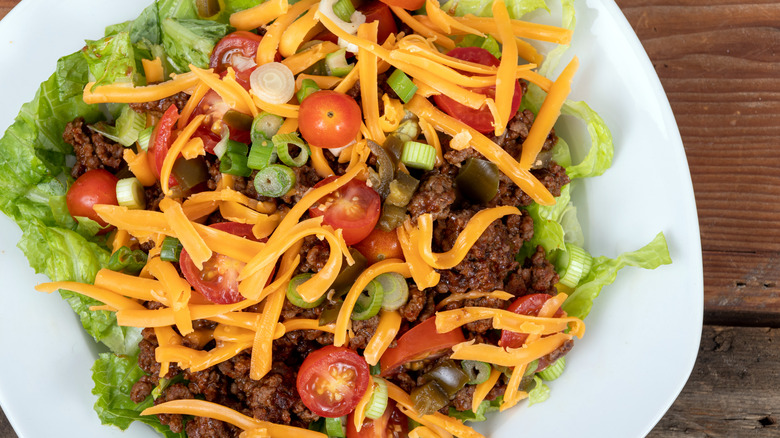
[[332, 380], [354, 208], [410, 5], [526, 305], [218, 280], [421, 342], [380, 245], [329, 119], [160, 142], [96, 186], [374, 11], [479, 119], [237, 43], [392, 424]]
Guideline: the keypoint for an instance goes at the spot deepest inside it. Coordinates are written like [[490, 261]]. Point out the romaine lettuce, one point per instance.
[[189, 41], [112, 60]]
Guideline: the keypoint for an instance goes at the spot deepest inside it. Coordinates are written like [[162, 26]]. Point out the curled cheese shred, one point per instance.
[[389, 324], [466, 239], [510, 357], [506, 320], [422, 273]]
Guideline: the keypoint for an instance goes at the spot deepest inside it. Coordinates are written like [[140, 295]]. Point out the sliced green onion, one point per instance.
[[344, 9], [282, 142], [378, 402], [170, 249], [130, 194], [375, 369], [572, 265], [274, 181], [334, 427], [395, 290], [553, 371], [295, 298], [336, 63], [126, 260], [477, 371], [418, 155], [221, 147], [236, 147], [273, 82], [369, 302], [529, 370], [402, 85], [238, 120], [234, 159], [144, 137], [308, 86], [128, 126], [265, 126], [262, 154]]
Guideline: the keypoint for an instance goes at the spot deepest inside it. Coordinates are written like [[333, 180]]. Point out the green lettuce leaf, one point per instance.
[[599, 157], [145, 27], [604, 271], [482, 8], [488, 43], [548, 232], [189, 41], [176, 9], [539, 393], [485, 407], [114, 377], [112, 60]]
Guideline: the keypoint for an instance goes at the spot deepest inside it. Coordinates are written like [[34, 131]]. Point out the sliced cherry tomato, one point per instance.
[[392, 424], [332, 380], [374, 11], [237, 43], [162, 138], [215, 108], [354, 208], [96, 186], [410, 5], [421, 342], [218, 280], [329, 119], [479, 119], [378, 11], [526, 305], [380, 245]]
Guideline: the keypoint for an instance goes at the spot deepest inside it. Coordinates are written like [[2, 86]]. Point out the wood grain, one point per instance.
[[719, 65], [732, 391]]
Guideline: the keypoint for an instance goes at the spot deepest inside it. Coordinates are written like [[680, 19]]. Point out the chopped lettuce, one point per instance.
[[482, 8], [189, 41], [599, 157], [488, 43], [114, 377], [112, 60], [485, 407], [604, 271], [144, 28], [539, 393]]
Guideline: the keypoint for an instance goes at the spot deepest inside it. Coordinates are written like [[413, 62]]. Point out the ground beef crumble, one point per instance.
[[92, 150]]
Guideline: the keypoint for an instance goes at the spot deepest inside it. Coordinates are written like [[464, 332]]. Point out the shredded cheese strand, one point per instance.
[[505, 79], [174, 150], [97, 293], [259, 15], [129, 94], [196, 247], [482, 389], [389, 324]]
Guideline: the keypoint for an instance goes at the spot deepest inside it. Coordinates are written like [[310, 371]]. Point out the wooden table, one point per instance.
[[718, 62]]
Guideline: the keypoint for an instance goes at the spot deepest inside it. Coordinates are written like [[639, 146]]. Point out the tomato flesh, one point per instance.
[[392, 424], [380, 245], [354, 208], [479, 119], [328, 119], [218, 280], [160, 143], [421, 342], [410, 5], [526, 305], [237, 43], [96, 186], [332, 380]]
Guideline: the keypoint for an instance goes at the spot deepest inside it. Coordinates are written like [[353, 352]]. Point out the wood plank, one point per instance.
[[742, 288], [6, 6], [732, 391], [6, 431], [718, 63]]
